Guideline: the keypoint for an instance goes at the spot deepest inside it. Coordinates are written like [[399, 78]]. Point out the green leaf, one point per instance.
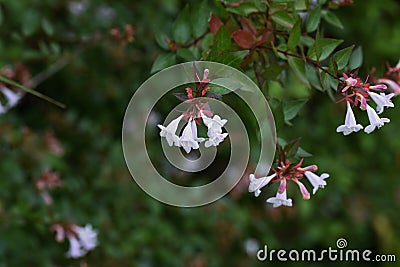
[[313, 19], [292, 147], [332, 19], [163, 61], [185, 54], [244, 9], [222, 44], [294, 37], [298, 68], [273, 71], [233, 59], [199, 19], [325, 47], [283, 18], [301, 153], [313, 76], [47, 27], [30, 23], [221, 85], [342, 57], [329, 84], [356, 58], [306, 41], [181, 27], [292, 108], [277, 111], [162, 39]]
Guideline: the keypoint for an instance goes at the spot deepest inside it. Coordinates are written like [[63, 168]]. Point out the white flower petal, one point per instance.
[[350, 125], [374, 120], [280, 200]]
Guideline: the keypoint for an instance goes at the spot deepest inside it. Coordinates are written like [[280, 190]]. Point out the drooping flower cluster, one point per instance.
[[196, 113], [285, 172], [81, 239], [359, 94], [189, 139]]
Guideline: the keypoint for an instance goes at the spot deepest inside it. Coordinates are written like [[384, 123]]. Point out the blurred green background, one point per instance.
[[99, 75]]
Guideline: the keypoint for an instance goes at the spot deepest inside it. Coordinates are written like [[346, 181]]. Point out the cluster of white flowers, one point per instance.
[[11, 97], [362, 92], [189, 139], [84, 241], [281, 196]]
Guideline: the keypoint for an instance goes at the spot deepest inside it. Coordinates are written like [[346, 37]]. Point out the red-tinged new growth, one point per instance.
[[285, 172]]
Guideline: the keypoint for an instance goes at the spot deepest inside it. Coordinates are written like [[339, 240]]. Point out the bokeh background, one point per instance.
[[70, 47]]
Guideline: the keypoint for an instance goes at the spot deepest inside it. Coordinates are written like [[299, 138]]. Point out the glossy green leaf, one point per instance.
[[181, 30], [298, 67], [356, 58], [313, 19], [186, 54], [221, 85], [313, 76], [163, 61], [342, 57], [199, 18], [222, 44], [292, 108], [292, 147], [332, 19], [295, 34], [244, 9], [277, 111], [233, 59], [301, 153], [325, 47], [283, 18], [162, 39]]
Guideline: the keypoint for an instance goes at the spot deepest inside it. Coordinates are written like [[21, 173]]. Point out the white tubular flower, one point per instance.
[[316, 181], [257, 183], [188, 140], [215, 137], [215, 122], [87, 237], [374, 120], [382, 101], [75, 249], [194, 132], [280, 200], [214, 132], [169, 132], [350, 125]]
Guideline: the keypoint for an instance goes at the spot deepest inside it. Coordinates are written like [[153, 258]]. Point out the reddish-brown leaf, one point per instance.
[[247, 25], [244, 38], [214, 23]]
